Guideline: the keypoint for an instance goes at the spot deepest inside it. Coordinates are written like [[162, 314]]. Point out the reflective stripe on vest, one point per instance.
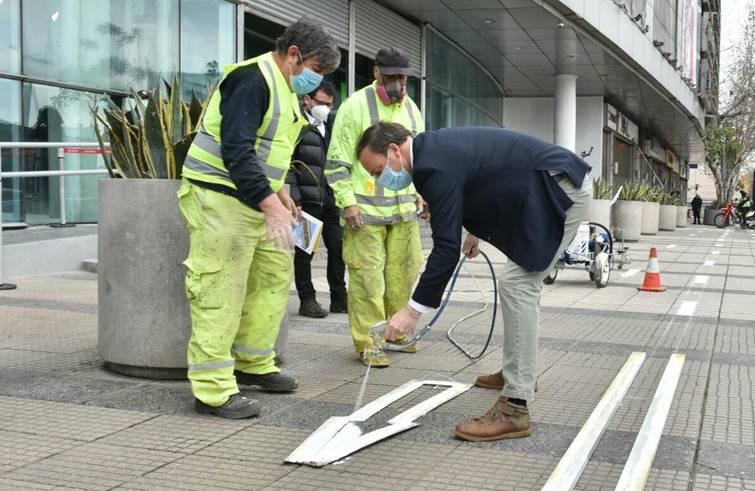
[[386, 200], [389, 220], [205, 142], [266, 143]]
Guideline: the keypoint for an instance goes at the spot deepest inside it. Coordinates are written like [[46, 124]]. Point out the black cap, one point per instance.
[[393, 61], [143, 94]]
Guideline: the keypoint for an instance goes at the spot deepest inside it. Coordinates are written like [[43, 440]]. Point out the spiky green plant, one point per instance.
[[153, 141], [632, 192], [602, 189]]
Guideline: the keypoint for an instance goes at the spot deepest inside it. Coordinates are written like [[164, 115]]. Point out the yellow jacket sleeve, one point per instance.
[[341, 158]]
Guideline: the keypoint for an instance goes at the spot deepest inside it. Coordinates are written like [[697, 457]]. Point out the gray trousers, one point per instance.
[[520, 301]]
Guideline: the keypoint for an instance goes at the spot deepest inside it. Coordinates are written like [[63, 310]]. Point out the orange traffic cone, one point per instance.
[[652, 281]]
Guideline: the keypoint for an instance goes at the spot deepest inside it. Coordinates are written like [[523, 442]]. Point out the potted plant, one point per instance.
[[600, 209], [143, 321], [626, 213], [682, 211], [668, 212], [651, 209]]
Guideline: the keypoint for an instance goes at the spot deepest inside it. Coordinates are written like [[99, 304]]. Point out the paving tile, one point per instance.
[[712, 482], [64, 420], [18, 449], [93, 466]]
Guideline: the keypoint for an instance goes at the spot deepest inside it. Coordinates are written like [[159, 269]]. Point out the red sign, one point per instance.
[[85, 150]]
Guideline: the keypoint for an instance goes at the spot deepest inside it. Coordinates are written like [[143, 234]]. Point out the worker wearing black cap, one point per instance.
[[381, 244]]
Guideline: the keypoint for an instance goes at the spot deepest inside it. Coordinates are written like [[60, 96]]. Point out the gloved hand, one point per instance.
[[279, 220], [471, 247], [288, 202]]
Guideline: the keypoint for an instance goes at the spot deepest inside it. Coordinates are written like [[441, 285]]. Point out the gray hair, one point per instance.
[[312, 41]]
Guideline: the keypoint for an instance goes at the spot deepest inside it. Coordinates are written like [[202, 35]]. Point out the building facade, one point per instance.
[[626, 83]]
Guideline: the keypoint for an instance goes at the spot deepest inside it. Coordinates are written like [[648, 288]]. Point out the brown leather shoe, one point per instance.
[[490, 381], [504, 421], [493, 381]]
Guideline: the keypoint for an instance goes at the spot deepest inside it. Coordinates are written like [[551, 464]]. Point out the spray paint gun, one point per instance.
[[379, 339]]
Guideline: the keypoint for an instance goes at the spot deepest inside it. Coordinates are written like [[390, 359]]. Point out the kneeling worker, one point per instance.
[[524, 196], [240, 219]]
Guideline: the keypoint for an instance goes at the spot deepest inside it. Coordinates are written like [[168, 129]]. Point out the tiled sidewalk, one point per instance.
[[67, 423]]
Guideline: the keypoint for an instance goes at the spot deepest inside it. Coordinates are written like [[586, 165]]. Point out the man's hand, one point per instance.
[[471, 247], [424, 209], [353, 216], [279, 220], [402, 323], [288, 202]]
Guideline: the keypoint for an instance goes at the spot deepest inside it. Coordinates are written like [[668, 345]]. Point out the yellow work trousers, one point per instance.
[[237, 283], [384, 262]]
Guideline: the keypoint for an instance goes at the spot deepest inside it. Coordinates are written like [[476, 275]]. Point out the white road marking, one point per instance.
[[700, 279], [630, 272], [670, 246], [687, 308], [710, 263], [716, 253], [637, 469], [572, 464]]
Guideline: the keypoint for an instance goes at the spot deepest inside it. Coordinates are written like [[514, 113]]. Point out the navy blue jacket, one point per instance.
[[495, 183]]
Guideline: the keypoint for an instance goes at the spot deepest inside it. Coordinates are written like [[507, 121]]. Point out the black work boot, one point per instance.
[[310, 308], [339, 304], [273, 382], [236, 407]]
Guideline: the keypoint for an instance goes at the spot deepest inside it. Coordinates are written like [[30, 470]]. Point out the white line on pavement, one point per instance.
[[710, 263], [637, 469], [630, 272], [700, 279], [716, 253], [687, 308], [566, 474], [670, 246]]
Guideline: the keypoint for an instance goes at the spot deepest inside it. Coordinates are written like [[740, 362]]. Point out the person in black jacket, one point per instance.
[[697, 205], [524, 196], [310, 191]]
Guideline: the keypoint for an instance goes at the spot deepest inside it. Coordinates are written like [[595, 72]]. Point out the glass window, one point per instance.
[[11, 130], [460, 93], [10, 41], [112, 44], [58, 114], [208, 42]]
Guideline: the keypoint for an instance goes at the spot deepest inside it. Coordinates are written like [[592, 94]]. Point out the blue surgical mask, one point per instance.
[[307, 81], [395, 180]]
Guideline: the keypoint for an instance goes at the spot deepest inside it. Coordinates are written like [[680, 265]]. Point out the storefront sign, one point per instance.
[[612, 117], [628, 129]]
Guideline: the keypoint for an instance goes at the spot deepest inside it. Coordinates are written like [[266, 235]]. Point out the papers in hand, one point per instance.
[[307, 231]]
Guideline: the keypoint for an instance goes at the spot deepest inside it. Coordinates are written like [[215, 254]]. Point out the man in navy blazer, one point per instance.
[[524, 196]]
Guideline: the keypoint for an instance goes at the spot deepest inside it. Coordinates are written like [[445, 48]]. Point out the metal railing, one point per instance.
[[61, 172]]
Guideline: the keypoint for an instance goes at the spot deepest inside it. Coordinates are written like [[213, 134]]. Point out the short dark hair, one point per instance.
[[380, 135], [327, 87], [312, 41]]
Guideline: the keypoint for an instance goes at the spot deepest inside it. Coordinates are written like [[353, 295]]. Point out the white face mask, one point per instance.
[[320, 113]]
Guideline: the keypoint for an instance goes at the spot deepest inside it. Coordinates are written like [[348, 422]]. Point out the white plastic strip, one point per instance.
[[566, 474], [340, 436], [637, 468], [687, 307]]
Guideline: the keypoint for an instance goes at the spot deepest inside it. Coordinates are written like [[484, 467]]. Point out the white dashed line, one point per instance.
[[700, 279], [687, 308], [630, 272]]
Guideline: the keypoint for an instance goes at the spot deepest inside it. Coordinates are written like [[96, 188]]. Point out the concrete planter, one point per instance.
[[668, 217], [651, 214], [600, 212], [626, 216], [681, 216], [709, 216], [144, 323]]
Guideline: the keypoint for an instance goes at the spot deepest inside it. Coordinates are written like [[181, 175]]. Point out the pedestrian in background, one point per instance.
[[311, 192], [697, 205]]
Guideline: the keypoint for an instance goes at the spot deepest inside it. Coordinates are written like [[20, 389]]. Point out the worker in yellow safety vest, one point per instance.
[[381, 244], [240, 218]]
